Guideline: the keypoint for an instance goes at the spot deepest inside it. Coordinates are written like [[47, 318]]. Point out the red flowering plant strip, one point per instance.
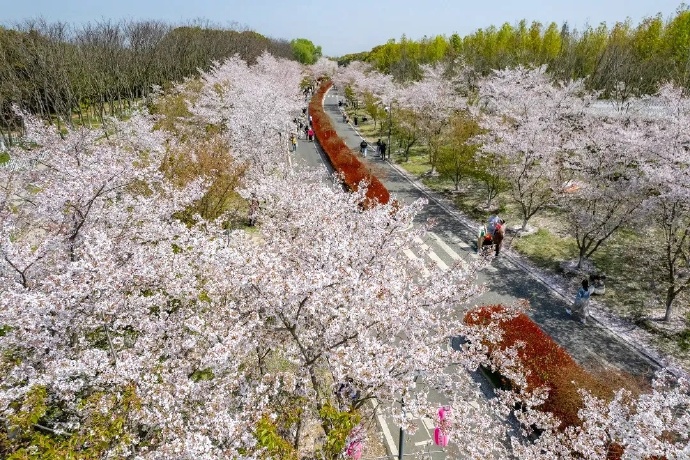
[[340, 156], [548, 364]]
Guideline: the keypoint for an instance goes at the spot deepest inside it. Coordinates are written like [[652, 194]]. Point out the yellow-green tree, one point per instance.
[[407, 128], [305, 51], [372, 106], [457, 157], [677, 45], [550, 44]]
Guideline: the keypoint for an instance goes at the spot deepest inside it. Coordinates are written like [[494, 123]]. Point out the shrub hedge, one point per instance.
[[340, 156], [548, 364]]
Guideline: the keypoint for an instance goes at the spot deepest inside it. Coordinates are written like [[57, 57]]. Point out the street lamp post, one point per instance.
[[401, 442], [401, 435]]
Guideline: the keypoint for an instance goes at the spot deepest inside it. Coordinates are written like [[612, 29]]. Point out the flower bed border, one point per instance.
[[339, 154], [547, 362]]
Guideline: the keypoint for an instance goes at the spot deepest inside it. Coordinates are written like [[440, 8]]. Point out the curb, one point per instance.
[[652, 356]]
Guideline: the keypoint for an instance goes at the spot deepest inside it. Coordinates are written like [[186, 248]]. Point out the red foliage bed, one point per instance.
[[549, 364], [340, 156]]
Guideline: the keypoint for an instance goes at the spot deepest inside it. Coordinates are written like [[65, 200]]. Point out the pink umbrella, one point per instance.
[[440, 432], [440, 438]]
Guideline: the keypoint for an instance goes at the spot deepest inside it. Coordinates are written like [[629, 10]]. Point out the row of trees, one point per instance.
[[133, 324], [641, 55], [69, 74], [197, 341], [551, 145]]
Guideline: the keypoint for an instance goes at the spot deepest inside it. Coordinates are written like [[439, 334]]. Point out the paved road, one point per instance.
[[452, 239], [309, 155]]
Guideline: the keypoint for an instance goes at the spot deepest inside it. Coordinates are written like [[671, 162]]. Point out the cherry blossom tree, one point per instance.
[[649, 425], [530, 125], [608, 184], [324, 67], [433, 99], [254, 105], [361, 79], [101, 297], [352, 74], [667, 164]]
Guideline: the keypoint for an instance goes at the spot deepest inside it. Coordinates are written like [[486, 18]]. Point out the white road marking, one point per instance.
[[453, 255], [389, 437], [386, 433], [412, 256], [455, 240], [431, 254], [428, 423]]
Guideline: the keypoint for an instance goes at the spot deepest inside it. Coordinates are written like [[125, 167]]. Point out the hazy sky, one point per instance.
[[343, 26]]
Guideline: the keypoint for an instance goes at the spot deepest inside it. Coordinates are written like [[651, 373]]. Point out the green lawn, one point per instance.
[[546, 249]]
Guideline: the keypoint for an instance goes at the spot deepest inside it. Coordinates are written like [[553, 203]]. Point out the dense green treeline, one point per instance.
[[639, 55], [81, 74]]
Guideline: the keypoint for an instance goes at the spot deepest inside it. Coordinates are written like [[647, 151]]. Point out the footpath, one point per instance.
[[601, 345]]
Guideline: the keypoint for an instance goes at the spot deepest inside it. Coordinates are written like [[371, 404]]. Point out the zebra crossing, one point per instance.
[[443, 252]]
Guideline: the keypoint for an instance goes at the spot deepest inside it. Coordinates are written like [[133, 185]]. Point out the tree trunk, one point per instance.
[[315, 384], [298, 431], [581, 257], [670, 296]]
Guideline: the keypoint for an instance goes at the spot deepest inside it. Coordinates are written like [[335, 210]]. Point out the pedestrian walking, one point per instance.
[[378, 146], [581, 304], [294, 143], [363, 147], [310, 134], [383, 150]]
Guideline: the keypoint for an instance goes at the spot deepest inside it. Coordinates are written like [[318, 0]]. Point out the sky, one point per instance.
[[343, 26]]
